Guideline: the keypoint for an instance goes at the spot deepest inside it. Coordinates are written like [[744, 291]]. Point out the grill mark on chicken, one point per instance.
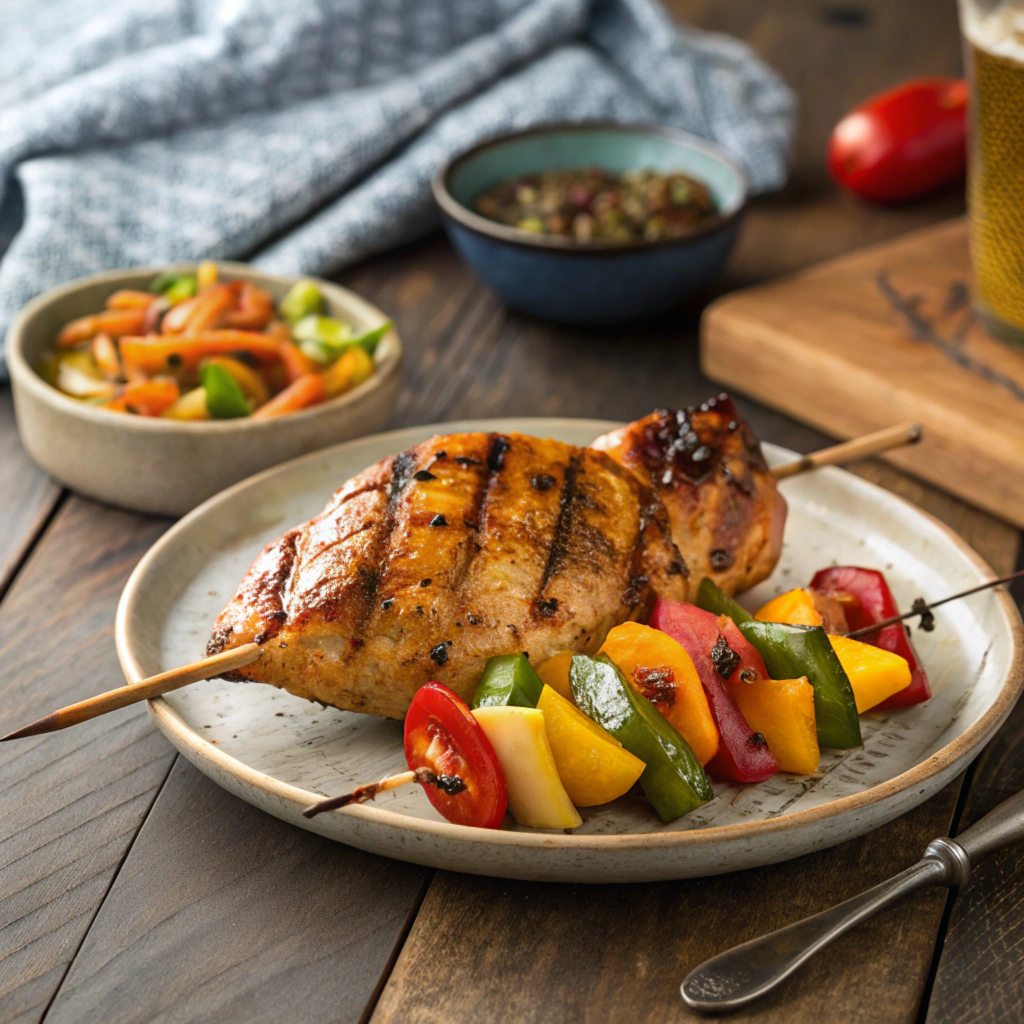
[[401, 475], [474, 519], [560, 541], [477, 519], [575, 540]]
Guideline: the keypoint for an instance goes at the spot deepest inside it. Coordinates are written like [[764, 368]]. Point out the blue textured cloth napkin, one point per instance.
[[303, 134]]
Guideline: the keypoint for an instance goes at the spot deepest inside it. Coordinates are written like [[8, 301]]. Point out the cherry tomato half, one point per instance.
[[441, 734], [902, 143]]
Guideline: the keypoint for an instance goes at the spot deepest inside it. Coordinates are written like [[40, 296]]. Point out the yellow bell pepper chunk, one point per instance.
[[782, 711], [555, 673], [795, 607], [349, 370], [191, 406], [206, 274], [536, 796], [658, 668], [874, 674], [595, 768]]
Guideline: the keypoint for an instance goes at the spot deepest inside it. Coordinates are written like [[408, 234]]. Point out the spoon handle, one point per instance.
[[743, 973], [1000, 827]]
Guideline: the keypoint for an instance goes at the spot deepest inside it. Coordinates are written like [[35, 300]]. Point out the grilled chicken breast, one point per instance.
[[472, 545]]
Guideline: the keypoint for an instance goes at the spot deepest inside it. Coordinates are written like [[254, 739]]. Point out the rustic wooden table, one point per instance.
[[133, 889]]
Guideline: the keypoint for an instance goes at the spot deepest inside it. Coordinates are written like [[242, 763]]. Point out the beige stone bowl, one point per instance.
[[167, 467]]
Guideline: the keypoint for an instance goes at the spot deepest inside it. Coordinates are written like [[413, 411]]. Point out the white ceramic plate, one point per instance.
[[280, 753]]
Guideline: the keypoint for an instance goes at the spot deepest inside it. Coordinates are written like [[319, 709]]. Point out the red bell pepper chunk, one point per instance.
[[874, 602], [740, 757]]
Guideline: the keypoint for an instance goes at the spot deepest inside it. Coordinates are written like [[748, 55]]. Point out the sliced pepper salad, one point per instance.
[[194, 347], [703, 690]]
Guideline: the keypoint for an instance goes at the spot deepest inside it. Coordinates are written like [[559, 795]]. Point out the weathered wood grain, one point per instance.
[[224, 913], [980, 975], [882, 335], [70, 803], [27, 495], [493, 950]]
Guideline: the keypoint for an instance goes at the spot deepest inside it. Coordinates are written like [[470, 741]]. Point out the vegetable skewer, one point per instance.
[[206, 668], [451, 784]]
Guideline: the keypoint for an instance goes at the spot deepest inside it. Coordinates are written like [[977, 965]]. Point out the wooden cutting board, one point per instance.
[[876, 337]]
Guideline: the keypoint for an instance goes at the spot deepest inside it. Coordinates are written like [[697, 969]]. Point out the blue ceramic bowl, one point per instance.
[[590, 282]]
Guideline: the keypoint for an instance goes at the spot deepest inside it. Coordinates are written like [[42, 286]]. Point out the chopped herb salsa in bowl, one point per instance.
[[593, 204], [153, 389], [593, 223]]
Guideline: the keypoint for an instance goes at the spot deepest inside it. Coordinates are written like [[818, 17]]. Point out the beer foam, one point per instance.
[[999, 32]]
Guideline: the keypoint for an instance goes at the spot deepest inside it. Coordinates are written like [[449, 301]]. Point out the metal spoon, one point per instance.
[[745, 973]]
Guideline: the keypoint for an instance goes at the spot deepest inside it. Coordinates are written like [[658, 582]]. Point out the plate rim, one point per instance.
[[182, 736]]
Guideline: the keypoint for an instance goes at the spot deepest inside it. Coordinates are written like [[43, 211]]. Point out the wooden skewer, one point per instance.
[[144, 689], [451, 784], [923, 608], [858, 448]]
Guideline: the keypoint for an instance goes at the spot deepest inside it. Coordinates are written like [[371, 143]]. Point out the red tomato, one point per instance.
[[441, 734], [903, 143]]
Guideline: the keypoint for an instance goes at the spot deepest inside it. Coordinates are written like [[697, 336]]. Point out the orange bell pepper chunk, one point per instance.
[[116, 404], [176, 352], [659, 668], [115, 322], [209, 309], [555, 673], [782, 711], [296, 363], [804, 607], [254, 309], [151, 397], [128, 298], [104, 351], [301, 394]]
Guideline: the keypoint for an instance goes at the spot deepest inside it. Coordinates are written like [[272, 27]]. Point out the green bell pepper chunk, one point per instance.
[[790, 652], [712, 598], [371, 339], [175, 287], [508, 679], [303, 299], [673, 780], [224, 398], [324, 344], [324, 329]]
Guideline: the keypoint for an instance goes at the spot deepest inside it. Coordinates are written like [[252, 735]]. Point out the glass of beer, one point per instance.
[[994, 55]]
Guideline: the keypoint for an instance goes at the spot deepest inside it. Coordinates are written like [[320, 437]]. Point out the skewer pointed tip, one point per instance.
[[48, 723]]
